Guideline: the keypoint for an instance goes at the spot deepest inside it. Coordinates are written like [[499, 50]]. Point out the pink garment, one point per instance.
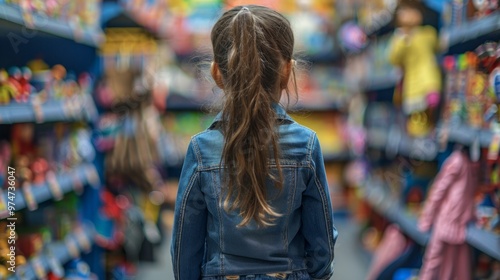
[[449, 208], [444, 261], [390, 248]]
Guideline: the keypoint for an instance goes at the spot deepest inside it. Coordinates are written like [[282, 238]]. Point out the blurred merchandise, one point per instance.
[[471, 86], [19, 84], [458, 12], [75, 12], [449, 207], [413, 48], [97, 130]]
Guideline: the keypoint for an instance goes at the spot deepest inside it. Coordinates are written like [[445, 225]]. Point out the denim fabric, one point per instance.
[[206, 241], [296, 275]]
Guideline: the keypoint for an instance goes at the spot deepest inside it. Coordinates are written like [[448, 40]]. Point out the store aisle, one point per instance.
[[162, 268], [350, 263]]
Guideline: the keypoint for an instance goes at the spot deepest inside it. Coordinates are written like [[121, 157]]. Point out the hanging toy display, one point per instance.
[[449, 208], [413, 49]]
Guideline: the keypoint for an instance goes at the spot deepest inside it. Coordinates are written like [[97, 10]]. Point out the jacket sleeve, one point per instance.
[[444, 180], [317, 218], [189, 230]]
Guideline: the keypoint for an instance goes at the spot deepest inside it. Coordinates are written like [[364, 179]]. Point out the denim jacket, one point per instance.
[[207, 243]]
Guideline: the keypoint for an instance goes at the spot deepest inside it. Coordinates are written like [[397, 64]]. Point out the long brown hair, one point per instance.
[[251, 46]]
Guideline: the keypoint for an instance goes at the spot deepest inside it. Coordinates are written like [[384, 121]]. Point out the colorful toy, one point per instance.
[[7, 91], [78, 270], [70, 86], [85, 82], [39, 168], [15, 75], [55, 85], [25, 88], [30, 244], [22, 139], [413, 48], [482, 8]]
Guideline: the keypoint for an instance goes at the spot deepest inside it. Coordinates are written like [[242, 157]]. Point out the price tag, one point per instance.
[[494, 147], [29, 197], [92, 176], [54, 186], [37, 265], [72, 247], [83, 240], [4, 213], [55, 266]]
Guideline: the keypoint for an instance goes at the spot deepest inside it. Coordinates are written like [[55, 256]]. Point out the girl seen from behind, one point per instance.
[[253, 199]]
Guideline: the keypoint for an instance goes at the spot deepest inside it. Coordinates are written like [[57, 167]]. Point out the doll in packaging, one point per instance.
[[413, 48]]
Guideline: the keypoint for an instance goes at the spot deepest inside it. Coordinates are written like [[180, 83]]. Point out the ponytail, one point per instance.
[[251, 81]]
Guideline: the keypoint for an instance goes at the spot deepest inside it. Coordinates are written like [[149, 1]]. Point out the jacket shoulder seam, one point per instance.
[[197, 151]]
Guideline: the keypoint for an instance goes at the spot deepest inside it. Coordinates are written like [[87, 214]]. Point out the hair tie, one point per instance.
[[245, 8]]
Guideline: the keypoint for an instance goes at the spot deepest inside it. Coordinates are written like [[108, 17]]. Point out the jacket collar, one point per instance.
[[278, 109]]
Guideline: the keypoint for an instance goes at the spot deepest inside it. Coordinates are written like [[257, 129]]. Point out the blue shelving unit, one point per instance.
[[466, 135], [83, 175], [76, 109], [60, 250], [390, 208], [338, 157], [381, 82], [396, 142], [59, 28], [57, 42], [473, 30], [484, 241]]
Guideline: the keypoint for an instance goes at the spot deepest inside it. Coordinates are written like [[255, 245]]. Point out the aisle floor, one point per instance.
[[350, 262]]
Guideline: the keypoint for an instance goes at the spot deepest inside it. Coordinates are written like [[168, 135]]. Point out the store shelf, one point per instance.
[[395, 142], [487, 242], [60, 251], [466, 135], [176, 103], [381, 82], [80, 175], [324, 107], [75, 109], [338, 157], [472, 30], [14, 14], [392, 210]]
